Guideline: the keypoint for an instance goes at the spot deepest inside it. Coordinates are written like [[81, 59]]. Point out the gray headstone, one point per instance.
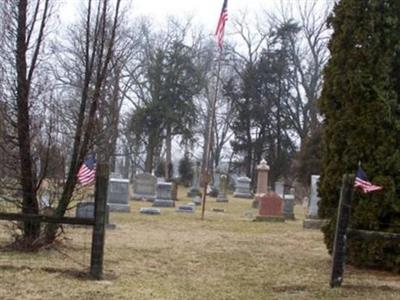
[[166, 191], [314, 199], [242, 188], [186, 208], [216, 179], [118, 195], [195, 188], [86, 210], [288, 206], [197, 200], [223, 189], [150, 211], [144, 187], [115, 175], [218, 210], [163, 203]]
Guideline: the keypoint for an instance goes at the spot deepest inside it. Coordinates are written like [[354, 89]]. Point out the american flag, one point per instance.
[[362, 182], [219, 32], [87, 172]]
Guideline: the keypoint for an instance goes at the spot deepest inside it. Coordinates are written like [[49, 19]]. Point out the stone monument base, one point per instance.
[[314, 223], [277, 219], [150, 211], [140, 197], [163, 203], [115, 207]]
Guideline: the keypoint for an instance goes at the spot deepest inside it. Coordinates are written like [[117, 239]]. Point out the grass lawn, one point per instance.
[[178, 256]]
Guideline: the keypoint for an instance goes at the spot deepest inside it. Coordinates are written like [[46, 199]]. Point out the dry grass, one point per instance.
[[178, 256]]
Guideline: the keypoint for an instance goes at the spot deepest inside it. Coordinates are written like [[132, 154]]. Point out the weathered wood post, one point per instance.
[[342, 222], [100, 206]]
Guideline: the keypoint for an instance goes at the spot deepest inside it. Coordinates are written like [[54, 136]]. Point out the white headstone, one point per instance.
[[280, 188], [314, 199]]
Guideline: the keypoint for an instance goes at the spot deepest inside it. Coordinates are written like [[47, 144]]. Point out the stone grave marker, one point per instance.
[[165, 195], [86, 210], [144, 187], [118, 195], [216, 209], [280, 188], [197, 200], [150, 211], [242, 188], [223, 189], [186, 208], [312, 221], [288, 206], [262, 182], [195, 188], [270, 208], [314, 199]]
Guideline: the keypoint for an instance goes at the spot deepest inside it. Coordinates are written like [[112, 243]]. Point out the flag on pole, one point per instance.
[[87, 172], [219, 32], [362, 182]]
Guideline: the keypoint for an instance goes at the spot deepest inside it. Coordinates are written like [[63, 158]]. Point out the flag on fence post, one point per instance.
[[87, 172], [219, 32], [362, 182]]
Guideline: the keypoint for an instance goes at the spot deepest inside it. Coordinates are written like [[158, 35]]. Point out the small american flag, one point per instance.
[[87, 172], [362, 182], [219, 32]]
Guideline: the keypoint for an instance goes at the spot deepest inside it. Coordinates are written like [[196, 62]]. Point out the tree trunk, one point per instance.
[[29, 201], [151, 147], [168, 150]]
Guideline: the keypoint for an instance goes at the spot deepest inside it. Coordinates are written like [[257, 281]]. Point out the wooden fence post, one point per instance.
[[98, 236], [343, 217]]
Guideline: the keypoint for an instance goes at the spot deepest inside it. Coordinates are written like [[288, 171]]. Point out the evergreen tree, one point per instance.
[[361, 109], [185, 170]]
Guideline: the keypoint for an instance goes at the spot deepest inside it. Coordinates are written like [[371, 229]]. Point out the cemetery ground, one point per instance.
[[178, 256]]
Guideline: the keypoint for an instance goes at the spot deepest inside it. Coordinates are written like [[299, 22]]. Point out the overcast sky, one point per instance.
[[204, 12]]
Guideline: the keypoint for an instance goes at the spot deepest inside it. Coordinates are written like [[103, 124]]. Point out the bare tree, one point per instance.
[[24, 25], [100, 29], [308, 54]]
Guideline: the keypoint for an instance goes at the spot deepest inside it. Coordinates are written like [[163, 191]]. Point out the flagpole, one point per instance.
[[206, 175]]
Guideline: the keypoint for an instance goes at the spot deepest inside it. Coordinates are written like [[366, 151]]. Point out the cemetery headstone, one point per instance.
[[165, 195], [270, 208], [242, 188], [118, 195], [86, 210], [216, 209], [312, 221], [144, 187], [115, 175], [314, 199], [197, 200], [150, 211], [262, 182], [288, 206], [195, 188], [280, 188], [223, 189], [216, 179], [186, 208]]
